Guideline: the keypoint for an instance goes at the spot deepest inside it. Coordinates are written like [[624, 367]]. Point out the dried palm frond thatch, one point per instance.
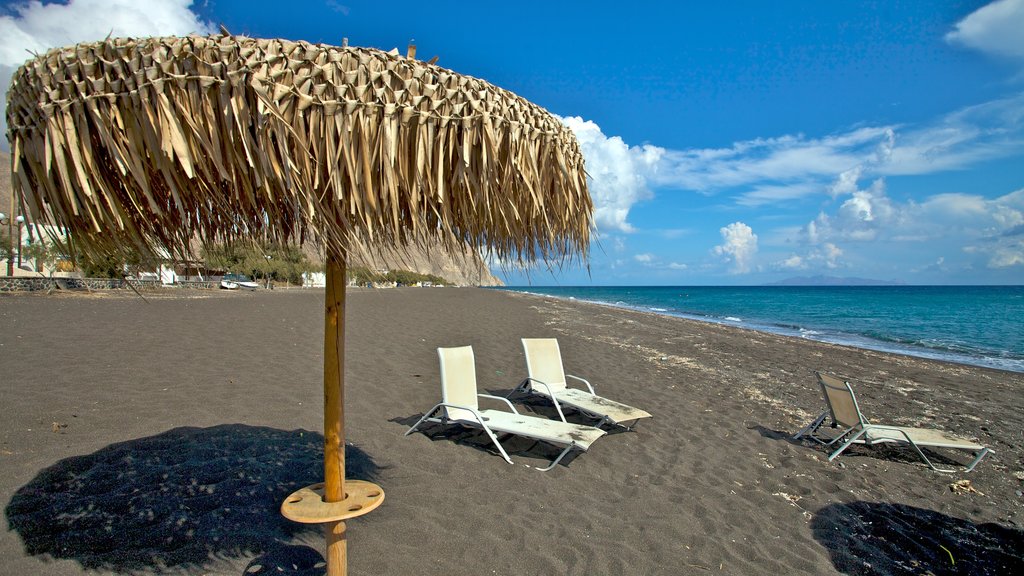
[[138, 145]]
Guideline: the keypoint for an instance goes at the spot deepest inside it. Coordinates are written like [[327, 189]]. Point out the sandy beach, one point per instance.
[[160, 435]]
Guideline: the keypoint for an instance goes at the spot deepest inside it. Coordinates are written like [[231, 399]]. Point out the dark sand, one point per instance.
[[160, 436]]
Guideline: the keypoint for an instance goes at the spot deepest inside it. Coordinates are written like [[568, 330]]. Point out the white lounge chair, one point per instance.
[[459, 405], [547, 378], [855, 429]]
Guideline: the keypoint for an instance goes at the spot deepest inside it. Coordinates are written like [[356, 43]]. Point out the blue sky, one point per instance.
[[734, 143]]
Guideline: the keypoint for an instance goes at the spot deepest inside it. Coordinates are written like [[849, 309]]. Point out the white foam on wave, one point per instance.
[[733, 319], [658, 309]]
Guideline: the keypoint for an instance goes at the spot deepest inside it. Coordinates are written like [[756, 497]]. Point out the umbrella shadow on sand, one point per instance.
[[884, 538], [190, 497]]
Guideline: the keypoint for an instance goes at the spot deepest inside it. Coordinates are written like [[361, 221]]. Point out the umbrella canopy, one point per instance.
[[142, 144], [138, 145]]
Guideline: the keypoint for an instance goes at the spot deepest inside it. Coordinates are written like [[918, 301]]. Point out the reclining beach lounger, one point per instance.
[[547, 378], [459, 405], [855, 428]]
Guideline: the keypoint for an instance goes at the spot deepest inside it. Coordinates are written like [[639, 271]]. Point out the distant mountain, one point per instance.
[[832, 281], [464, 268]]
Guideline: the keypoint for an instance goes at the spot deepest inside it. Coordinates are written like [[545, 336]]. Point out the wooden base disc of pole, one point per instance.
[[307, 504]]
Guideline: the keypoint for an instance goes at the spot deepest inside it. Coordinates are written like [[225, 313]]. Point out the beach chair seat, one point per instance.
[[547, 378], [854, 428], [460, 405]]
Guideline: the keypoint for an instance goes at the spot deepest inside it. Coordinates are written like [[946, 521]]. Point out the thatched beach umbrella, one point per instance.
[[139, 145]]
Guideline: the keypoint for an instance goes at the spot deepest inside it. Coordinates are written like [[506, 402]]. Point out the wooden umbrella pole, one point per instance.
[[10, 227], [334, 411], [335, 500]]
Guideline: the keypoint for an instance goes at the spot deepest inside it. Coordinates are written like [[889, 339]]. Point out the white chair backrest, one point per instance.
[[544, 362], [841, 400], [458, 381]]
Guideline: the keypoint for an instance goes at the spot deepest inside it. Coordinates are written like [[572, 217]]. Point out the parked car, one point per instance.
[[237, 282]]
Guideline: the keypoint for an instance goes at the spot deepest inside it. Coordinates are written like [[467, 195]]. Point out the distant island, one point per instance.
[[832, 281]]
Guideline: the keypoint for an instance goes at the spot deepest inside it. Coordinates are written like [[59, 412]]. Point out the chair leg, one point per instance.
[[498, 444], [517, 389], [981, 455], [923, 457], [970, 467], [421, 420], [559, 459], [845, 445], [811, 428], [838, 438]]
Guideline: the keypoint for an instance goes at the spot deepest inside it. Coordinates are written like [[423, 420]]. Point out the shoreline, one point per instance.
[[851, 340], [753, 333]]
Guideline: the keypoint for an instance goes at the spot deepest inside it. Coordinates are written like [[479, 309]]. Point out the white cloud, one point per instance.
[[868, 206], [644, 258], [1009, 212], [859, 218], [619, 173], [338, 7], [994, 28], [37, 27], [786, 159], [618, 244], [990, 130], [779, 170], [652, 261], [998, 224], [990, 228], [1006, 255], [829, 254], [794, 262], [826, 255], [969, 215], [937, 267], [847, 182], [739, 246], [768, 193]]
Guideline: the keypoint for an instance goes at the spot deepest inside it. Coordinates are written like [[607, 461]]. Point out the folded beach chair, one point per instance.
[[547, 378], [854, 428], [459, 406]]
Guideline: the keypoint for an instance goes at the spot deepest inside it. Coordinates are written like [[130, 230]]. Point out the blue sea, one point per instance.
[[979, 325]]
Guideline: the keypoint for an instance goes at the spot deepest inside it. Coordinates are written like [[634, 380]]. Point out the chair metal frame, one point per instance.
[[857, 433], [525, 387], [445, 420], [480, 422]]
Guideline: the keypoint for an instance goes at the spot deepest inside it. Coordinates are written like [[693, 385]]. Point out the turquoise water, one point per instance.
[[980, 325]]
